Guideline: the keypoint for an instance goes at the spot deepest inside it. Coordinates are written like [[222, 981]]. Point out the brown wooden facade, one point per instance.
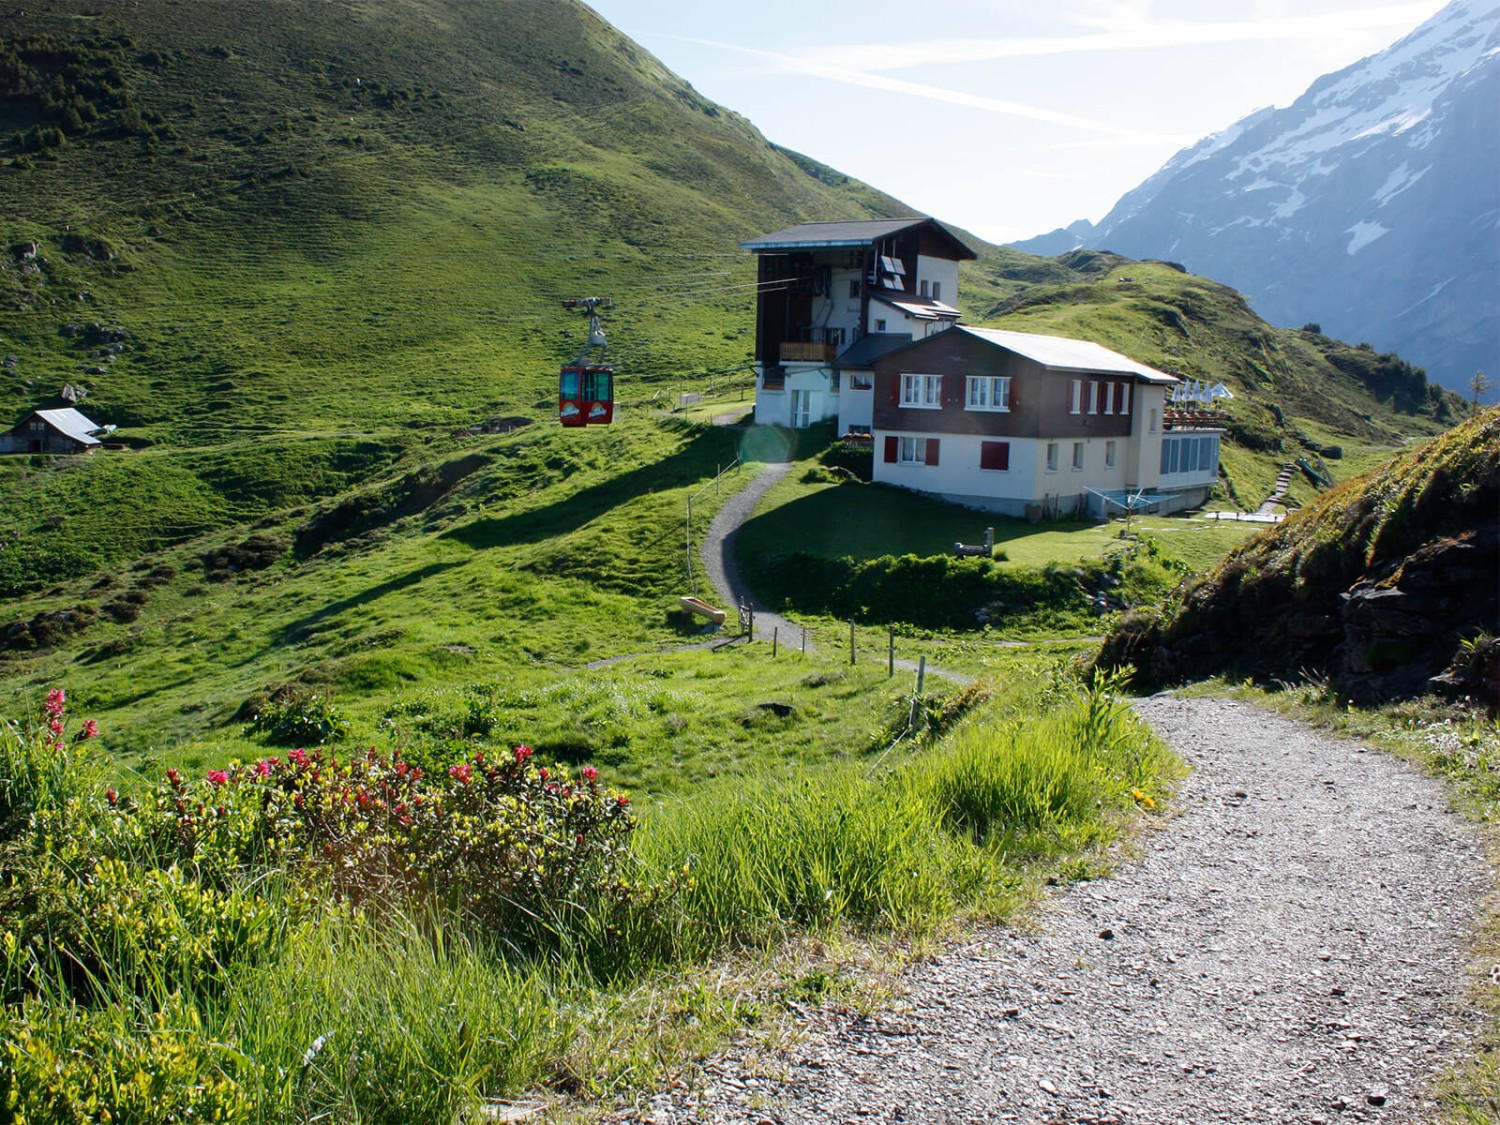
[[1040, 399]]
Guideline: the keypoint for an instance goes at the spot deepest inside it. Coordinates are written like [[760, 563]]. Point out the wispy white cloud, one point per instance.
[[1122, 28], [872, 80]]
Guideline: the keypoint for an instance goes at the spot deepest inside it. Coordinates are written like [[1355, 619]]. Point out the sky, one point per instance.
[[1007, 118]]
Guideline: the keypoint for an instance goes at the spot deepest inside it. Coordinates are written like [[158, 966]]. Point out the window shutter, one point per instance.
[[932, 451], [895, 394], [994, 455], [1015, 399], [890, 449]]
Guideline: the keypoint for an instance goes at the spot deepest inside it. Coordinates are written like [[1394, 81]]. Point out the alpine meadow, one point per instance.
[[359, 763]]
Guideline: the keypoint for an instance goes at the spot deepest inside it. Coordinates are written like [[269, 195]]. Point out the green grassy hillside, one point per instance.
[[298, 252]]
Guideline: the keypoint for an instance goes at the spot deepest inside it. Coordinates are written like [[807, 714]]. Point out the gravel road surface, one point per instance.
[[1290, 947]]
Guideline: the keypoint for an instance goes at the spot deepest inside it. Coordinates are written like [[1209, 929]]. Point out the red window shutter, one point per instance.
[[890, 450], [932, 451], [994, 455], [1015, 398], [1119, 398], [895, 392]]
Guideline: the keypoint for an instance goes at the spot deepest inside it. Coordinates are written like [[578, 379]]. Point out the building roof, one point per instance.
[[72, 423], [923, 308], [868, 348], [849, 233], [1059, 353]]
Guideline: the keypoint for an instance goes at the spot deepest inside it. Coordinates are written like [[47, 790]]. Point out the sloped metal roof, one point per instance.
[[1060, 353], [870, 347], [923, 308], [847, 232], [72, 423]]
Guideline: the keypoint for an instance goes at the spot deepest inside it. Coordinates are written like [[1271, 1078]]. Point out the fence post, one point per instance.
[[804, 640], [752, 623], [851, 640], [921, 672], [688, 537], [890, 669], [775, 636]]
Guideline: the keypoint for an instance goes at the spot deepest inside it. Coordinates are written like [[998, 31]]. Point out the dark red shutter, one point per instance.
[[1015, 399], [994, 455], [895, 393], [932, 451], [890, 449]]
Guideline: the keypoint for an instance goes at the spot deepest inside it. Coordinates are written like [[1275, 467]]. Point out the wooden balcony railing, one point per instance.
[[795, 351]]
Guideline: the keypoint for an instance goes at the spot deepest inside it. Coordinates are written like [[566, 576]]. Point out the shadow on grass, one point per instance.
[[695, 461], [299, 629]]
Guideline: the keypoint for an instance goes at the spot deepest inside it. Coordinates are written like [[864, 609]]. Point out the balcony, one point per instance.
[[1210, 420], [796, 351]]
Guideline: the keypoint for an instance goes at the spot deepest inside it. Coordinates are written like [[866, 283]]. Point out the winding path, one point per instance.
[[1289, 947]]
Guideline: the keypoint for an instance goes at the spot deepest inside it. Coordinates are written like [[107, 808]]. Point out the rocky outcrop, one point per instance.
[[1401, 631], [1387, 587]]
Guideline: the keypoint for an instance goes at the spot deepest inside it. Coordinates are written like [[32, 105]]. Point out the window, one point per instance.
[[994, 455], [1197, 455], [937, 290], [1052, 456], [880, 326], [911, 450], [1120, 401], [861, 382], [854, 288], [1106, 397], [1091, 396], [1153, 419], [922, 391], [1109, 455], [923, 290], [1076, 406], [1078, 456], [834, 336], [988, 392]]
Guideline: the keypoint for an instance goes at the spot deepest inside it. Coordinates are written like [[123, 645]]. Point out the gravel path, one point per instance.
[[1290, 948], [718, 554]]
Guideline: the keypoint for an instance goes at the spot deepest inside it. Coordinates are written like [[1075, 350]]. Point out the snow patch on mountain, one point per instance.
[[1398, 181], [1364, 234]]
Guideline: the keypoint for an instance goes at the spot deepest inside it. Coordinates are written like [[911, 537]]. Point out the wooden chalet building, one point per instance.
[[52, 431], [833, 296], [853, 323]]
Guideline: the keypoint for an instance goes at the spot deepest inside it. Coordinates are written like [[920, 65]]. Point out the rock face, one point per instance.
[[1370, 206], [1387, 586], [1400, 631]]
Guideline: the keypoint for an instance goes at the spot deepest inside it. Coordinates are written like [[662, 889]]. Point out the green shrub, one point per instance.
[[293, 717]]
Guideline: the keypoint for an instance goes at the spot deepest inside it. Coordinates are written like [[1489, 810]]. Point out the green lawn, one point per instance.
[[866, 521]]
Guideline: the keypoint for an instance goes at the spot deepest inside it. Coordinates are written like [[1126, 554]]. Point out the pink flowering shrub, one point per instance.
[[508, 845]]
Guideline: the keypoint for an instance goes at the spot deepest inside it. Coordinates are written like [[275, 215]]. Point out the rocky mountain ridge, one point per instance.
[[1370, 206]]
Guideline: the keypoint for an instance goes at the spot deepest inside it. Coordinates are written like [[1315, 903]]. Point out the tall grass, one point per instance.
[[257, 1002]]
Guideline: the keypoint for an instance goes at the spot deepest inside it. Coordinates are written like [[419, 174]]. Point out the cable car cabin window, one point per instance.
[[598, 386], [568, 385]]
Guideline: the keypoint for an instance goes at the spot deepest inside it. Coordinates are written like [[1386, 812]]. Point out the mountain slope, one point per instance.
[[282, 196], [1370, 206], [301, 254]]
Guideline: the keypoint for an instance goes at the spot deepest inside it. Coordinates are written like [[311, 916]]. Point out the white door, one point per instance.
[[801, 409]]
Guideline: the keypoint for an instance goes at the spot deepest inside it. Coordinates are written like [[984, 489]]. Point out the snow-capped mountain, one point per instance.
[[1371, 205]]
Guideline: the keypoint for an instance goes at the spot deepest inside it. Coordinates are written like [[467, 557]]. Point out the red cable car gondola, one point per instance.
[[586, 391]]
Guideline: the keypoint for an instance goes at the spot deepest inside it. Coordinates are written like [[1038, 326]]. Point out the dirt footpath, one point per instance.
[[1289, 948]]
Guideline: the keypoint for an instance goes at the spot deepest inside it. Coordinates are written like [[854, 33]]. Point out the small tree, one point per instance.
[[1480, 384]]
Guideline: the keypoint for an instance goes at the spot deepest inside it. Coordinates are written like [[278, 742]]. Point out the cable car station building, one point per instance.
[[835, 296], [854, 323]]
